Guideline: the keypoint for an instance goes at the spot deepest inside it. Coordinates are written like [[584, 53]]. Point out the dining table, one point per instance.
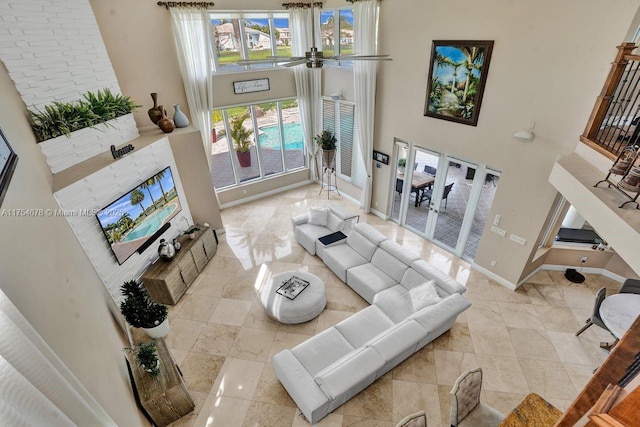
[[419, 182], [619, 311]]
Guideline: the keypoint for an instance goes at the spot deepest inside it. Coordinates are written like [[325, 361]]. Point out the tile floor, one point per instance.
[[223, 342]]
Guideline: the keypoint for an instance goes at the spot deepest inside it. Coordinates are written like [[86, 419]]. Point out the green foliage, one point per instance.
[[62, 118], [138, 309], [147, 357], [326, 140], [240, 135], [402, 163]]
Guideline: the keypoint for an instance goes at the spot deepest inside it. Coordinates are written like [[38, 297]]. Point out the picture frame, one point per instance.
[[249, 86], [380, 157], [457, 76], [8, 162]]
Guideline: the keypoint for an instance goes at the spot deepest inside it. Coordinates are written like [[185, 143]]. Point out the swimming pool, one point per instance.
[[150, 225], [270, 137]]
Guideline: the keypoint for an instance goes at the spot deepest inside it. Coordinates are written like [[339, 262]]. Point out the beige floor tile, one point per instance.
[[503, 402], [557, 319], [504, 294], [533, 344], [200, 371], [520, 315], [420, 367], [270, 390], [197, 307], [331, 420], [352, 421], [230, 312], [491, 340], [444, 397], [458, 338], [572, 349], [535, 295], [581, 297], [373, 402], [257, 318], [580, 375], [216, 339], [267, 415], [479, 289], [237, 378], [221, 411], [551, 294], [178, 355], [410, 397], [183, 333], [343, 299], [241, 288], [450, 364], [502, 374], [285, 340], [485, 313], [541, 277], [548, 379], [186, 421], [207, 284], [252, 344]]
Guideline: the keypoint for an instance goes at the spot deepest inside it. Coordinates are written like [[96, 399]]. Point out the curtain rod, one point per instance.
[[301, 5], [168, 4]]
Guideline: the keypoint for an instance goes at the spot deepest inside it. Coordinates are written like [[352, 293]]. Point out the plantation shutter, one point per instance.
[[347, 128], [329, 115]]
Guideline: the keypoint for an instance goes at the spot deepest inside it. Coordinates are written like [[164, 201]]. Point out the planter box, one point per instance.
[[63, 152]]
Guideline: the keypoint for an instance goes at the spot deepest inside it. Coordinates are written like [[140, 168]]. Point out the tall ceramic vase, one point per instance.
[[165, 123], [154, 113], [179, 118]]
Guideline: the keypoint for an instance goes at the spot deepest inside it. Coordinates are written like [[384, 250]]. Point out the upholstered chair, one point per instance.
[[419, 419], [466, 408]]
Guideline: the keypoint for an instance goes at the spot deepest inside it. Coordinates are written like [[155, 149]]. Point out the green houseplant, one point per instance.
[[241, 137], [62, 118], [147, 357], [327, 142], [140, 311], [402, 164]]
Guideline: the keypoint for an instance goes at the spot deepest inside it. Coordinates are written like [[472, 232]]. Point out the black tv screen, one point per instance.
[[129, 222]]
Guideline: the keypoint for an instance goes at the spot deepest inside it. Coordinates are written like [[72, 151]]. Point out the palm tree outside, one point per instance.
[[137, 197]]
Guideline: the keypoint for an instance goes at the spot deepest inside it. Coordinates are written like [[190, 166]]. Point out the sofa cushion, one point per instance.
[[443, 281], [349, 375], [400, 252], [340, 258], [434, 316], [334, 223], [399, 302], [306, 234], [367, 280], [318, 216], [387, 262], [397, 340], [363, 246], [322, 350], [364, 325]]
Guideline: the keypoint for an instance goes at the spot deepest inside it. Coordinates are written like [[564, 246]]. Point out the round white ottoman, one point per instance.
[[307, 305]]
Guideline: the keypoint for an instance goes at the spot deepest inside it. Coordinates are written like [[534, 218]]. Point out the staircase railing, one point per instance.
[[615, 120]]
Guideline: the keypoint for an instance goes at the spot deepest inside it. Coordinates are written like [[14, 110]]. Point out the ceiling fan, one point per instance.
[[314, 58]]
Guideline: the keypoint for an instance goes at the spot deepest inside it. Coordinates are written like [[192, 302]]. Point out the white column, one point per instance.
[[573, 219]]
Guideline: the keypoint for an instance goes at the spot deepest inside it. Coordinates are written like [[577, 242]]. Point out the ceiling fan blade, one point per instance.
[[294, 63], [361, 56], [286, 58], [366, 58]]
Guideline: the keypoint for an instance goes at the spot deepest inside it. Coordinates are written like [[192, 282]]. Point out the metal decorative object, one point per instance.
[[166, 250], [629, 175]]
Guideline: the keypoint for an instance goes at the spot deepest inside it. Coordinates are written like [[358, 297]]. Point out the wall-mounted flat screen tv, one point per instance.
[[133, 221]]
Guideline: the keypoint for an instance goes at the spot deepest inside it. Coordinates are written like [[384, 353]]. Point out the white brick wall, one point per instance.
[[103, 187], [53, 51]]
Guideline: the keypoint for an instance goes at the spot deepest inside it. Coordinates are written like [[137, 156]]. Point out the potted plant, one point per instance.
[[327, 142], [147, 357], [241, 137], [402, 164], [140, 311]]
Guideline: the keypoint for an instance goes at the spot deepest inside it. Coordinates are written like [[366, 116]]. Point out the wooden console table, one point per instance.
[[163, 398], [168, 281]]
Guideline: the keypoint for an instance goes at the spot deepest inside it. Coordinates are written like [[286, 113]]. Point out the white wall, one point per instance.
[[97, 190]]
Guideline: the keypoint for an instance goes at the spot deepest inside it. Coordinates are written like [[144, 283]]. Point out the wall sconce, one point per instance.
[[336, 96], [526, 135]]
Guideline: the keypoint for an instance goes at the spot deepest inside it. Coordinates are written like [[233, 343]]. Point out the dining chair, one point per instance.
[[595, 316], [419, 419], [427, 194], [430, 170], [630, 286], [466, 408]]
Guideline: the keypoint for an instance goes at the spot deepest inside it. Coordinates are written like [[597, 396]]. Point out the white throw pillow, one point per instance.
[[318, 216], [425, 295]]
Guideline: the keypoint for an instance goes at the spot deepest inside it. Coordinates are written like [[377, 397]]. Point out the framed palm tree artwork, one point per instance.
[[457, 76], [8, 161]]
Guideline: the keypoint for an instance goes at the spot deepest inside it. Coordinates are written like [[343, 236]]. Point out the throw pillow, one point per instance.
[[318, 216], [414, 420], [425, 295]]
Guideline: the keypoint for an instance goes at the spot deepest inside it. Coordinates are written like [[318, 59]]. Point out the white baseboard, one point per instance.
[[589, 270], [504, 282], [379, 214], [265, 194]]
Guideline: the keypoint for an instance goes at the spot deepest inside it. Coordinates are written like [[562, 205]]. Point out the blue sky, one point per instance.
[[114, 211], [445, 74]]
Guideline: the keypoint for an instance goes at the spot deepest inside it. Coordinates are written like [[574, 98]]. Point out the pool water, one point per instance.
[[150, 225], [270, 137]]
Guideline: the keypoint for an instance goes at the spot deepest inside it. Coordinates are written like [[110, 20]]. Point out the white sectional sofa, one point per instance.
[[412, 304], [307, 232]]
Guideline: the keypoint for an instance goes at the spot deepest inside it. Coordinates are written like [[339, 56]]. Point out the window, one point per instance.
[[337, 34], [249, 36], [339, 118], [265, 126]]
